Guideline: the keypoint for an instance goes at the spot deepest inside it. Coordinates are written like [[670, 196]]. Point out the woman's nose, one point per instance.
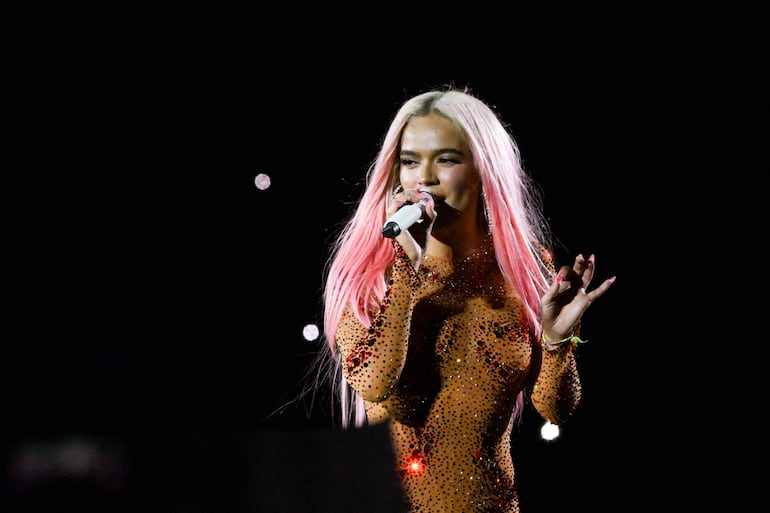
[[425, 175]]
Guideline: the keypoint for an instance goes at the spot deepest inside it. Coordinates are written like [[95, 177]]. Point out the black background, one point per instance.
[[158, 297]]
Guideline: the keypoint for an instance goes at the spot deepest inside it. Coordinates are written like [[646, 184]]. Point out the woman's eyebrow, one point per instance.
[[434, 152]]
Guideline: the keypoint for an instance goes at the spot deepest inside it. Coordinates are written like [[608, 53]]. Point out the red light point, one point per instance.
[[415, 466]]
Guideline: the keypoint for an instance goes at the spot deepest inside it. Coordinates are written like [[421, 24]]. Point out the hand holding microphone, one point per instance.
[[405, 217]]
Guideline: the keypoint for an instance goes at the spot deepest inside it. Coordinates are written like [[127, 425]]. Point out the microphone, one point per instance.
[[405, 217]]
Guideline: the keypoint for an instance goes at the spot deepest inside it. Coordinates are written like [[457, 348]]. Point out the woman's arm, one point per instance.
[[557, 390], [373, 358]]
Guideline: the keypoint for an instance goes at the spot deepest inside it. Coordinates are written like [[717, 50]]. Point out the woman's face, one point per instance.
[[436, 157]]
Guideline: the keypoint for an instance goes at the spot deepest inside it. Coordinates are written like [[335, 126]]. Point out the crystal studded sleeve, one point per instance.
[[373, 357], [557, 390]]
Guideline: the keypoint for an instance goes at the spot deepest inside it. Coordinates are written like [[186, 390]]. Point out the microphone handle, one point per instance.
[[406, 216]]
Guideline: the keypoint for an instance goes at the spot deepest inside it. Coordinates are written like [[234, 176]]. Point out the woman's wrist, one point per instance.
[[551, 345]]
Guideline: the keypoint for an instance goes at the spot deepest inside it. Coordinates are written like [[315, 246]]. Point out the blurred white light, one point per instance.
[[262, 181], [310, 332], [549, 431]]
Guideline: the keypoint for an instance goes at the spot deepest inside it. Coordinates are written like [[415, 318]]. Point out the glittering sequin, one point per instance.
[[444, 361]]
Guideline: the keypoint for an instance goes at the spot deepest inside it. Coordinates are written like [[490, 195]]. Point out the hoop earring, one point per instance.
[[483, 218]]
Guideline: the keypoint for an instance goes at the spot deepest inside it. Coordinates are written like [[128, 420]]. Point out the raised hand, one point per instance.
[[565, 301]]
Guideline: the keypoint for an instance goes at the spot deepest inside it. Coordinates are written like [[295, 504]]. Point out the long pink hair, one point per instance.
[[360, 255]]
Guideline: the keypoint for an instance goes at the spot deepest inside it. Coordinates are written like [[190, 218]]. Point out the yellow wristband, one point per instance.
[[575, 339]]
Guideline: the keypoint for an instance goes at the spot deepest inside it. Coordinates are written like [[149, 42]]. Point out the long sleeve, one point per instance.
[[557, 390], [373, 358]]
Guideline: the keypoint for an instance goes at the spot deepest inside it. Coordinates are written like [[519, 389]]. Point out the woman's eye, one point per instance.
[[408, 162], [450, 160]]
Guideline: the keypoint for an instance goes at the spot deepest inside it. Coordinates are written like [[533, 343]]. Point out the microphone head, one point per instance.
[[391, 230]]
